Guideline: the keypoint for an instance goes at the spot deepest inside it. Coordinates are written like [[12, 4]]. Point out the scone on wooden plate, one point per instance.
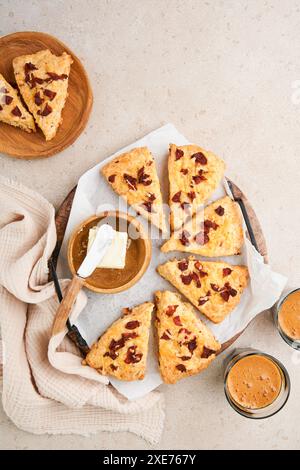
[[43, 82], [215, 288], [216, 231], [185, 345], [12, 110], [133, 176], [122, 350], [194, 174]]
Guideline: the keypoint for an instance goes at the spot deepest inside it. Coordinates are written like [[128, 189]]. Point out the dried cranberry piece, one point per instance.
[[46, 111], [131, 325], [166, 335], [132, 357], [181, 367], [232, 292], [111, 354], [8, 99], [143, 178], [227, 272], [176, 197], [215, 287], [225, 295], [185, 358], [208, 224], [50, 94], [112, 178], [151, 197], [183, 265], [177, 320], [220, 211], [184, 171], [185, 331], [171, 309], [54, 76], [200, 158], [178, 154], [116, 345], [192, 345], [201, 238], [202, 301], [198, 265], [131, 181], [127, 336], [148, 205], [196, 279], [113, 367], [38, 99], [207, 352], [186, 279], [16, 112], [191, 195], [184, 239], [28, 67]]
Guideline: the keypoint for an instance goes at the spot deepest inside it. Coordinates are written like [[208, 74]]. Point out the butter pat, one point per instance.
[[115, 256]]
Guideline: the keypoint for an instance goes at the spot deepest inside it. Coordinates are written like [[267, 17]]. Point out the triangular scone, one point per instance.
[[133, 176], [122, 350], [185, 345], [194, 174], [12, 110], [43, 82], [215, 288], [216, 231]]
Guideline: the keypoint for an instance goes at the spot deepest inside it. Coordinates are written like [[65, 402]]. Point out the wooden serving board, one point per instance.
[[63, 213], [20, 144]]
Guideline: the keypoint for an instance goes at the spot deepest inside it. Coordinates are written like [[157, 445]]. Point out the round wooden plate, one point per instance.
[[20, 144], [62, 217]]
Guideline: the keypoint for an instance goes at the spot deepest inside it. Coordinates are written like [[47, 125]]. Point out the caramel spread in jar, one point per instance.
[[289, 315], [254, 382]]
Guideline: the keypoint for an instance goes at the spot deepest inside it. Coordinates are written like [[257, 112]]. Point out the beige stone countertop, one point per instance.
[[223, 72]]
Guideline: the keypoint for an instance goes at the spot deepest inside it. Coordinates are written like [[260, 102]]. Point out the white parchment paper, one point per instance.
[[93, 195]]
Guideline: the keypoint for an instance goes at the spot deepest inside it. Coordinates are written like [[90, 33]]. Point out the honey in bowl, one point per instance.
[[289, 316], [254, 382], [138, 253]]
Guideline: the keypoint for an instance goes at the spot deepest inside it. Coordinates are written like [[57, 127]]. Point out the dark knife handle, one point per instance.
[[245, 215]]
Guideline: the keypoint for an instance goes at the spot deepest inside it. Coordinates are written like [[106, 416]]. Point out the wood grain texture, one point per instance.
[[20, 144], [63, 214], [66, 305]]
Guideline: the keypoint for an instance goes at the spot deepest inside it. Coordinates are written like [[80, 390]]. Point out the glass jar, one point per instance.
[[263, 411], [294, 343]]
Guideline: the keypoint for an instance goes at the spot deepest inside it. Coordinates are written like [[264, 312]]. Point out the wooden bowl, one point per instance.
[[110, 281], [20, 144]]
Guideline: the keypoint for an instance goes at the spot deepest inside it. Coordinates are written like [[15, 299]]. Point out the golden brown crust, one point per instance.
[[12, 111], [43, 82], [216, 232], [186, 345], [215, 288], [194, 174], [133, 176], [122, 350]]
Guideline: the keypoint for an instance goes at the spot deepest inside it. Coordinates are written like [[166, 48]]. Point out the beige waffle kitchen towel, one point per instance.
[[42, 396]]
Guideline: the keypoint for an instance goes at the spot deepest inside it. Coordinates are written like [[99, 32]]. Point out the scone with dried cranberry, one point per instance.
[[214, 287], [185, 345], [122, 350], [133, 176]]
